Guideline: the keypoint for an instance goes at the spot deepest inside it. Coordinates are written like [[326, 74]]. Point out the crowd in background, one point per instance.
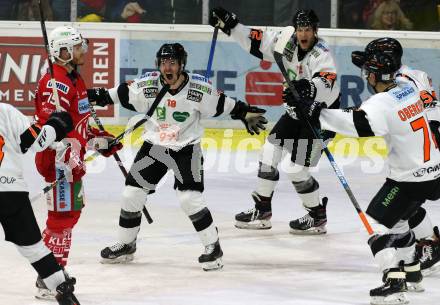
[[419, 15]]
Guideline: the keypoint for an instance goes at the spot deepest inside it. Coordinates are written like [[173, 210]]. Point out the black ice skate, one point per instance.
[[65, 294], [212, 258], [313, 223], [428, 252], [393, 291], [43, 293], [118, 253], [414, 277], [257, 218]]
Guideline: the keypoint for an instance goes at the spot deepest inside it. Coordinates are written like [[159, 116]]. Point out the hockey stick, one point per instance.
[[211, 52], [117, 139], [118, 159], [55, 96], [278, 55]]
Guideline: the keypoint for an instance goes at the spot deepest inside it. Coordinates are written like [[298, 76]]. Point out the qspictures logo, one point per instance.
[[22, 60]]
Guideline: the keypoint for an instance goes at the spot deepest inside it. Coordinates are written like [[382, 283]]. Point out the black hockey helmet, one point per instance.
[[172, 50], [382, 65], [386, 45], [304, 18]]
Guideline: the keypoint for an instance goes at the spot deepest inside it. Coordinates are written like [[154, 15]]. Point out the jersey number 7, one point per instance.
[[2, 154], [418, 124]]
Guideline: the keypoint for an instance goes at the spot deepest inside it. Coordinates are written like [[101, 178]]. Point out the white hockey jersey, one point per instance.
[[176, 120], [12, 125], [400, 117], [317, 65]]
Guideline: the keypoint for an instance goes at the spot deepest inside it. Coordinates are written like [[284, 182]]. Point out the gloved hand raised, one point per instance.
[[251, 116], [226, 21], [99, 96], [305, 109]]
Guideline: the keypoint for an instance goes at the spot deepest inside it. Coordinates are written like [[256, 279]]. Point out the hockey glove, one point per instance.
[[226, 21], [251, 116], [102, 142], [99, 96], [62, 123], [305, 88], [310, 110]]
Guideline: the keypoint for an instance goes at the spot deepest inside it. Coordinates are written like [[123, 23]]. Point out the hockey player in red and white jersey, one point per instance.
[[428, 241], [398, 114], [313, 71], [18, 136], [66, 200], [172, 141]]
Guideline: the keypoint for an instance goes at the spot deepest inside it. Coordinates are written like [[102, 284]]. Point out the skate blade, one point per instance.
[[254, 225], [45, 294], [393, 299], [415, 287], [213, 266], [123, 259], [431, 270], [311, 231]]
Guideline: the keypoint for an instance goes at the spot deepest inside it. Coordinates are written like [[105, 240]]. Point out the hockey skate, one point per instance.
[[313, 223], [212, 258], [428, 252], [65, 294], [257, 218], [393, 291], [118, 253], [414, 277], [43, 293]]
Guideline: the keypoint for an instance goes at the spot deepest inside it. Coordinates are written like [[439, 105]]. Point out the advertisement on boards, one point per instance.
[[22, 60]]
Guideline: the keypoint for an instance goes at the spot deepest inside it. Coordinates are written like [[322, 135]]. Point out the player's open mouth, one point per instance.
[[169, 76]]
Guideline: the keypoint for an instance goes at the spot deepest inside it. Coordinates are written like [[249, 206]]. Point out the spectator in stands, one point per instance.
[[110, 11], [351, 14], [389, 16], [28, 10]]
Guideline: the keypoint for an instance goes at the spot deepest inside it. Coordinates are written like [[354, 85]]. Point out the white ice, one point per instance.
[[261, 267]]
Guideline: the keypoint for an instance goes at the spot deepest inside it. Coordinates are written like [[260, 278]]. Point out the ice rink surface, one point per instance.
[[269, 267]]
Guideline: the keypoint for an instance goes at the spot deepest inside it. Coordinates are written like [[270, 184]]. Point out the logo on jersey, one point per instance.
[[288, 50], [194, 96], [426, 170], [403, 93], [60, 86], [150, 92], [152, 74], [149, 82], [7, 180], [204, 89], [180, 116], [161, 113], [83, 106], [200, 78]]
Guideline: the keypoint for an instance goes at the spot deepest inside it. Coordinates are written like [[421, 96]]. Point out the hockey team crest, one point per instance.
[[180, 116], [161, 113]]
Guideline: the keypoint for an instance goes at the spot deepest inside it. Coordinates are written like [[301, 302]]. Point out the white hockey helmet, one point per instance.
[[65, 37]]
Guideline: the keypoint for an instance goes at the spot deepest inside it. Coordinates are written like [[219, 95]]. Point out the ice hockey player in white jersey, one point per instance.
[[311, 67], [18, 136], [172, 141], [427, 236], [397, 113]]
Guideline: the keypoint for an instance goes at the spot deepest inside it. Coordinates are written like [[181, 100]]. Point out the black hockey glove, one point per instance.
[[251, 116], [310, 110], [435, 128], [99, 96], [223, 19], [62, 123], [305, 88]]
